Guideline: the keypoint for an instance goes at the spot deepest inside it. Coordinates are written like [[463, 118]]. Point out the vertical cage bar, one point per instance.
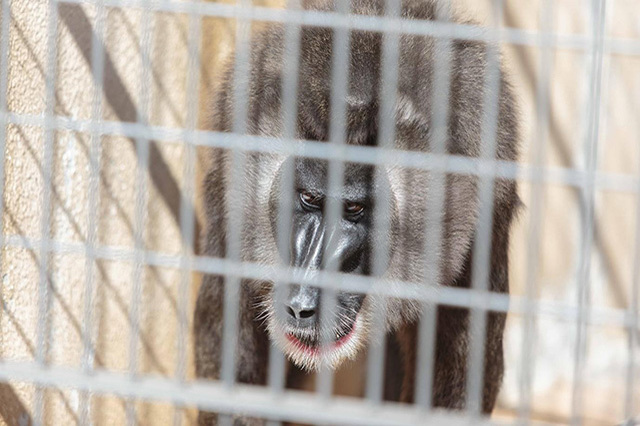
[[536, 207], [634, 312], [187, 214], [141, 202], [291, 66], [633, 330], [95, 153], [235, 199], [4, 110], [481, 266], [587, 201], [333, 208], [382, 217], [442, 61], [44, 294]]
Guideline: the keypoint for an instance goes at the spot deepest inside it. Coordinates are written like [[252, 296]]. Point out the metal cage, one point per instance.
[[102, 105]]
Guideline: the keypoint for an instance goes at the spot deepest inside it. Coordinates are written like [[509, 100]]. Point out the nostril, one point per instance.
[[307, 314], [300, 314]]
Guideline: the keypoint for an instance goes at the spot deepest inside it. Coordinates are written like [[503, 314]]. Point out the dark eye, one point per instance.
[[310, 200], [353, 209]]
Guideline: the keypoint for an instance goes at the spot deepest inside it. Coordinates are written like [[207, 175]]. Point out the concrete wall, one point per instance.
[[157, 351], [612, 254], [111, 300]]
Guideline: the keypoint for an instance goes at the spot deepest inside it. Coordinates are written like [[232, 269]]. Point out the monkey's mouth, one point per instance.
[[313, 342]]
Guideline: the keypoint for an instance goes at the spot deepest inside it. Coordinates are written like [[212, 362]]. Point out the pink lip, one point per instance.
[[316, 350]]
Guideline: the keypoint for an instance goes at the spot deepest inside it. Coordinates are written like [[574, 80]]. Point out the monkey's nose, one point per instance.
[[299, 313], [302, 306]]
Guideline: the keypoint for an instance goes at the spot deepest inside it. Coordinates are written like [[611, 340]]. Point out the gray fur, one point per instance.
[[410, 189]]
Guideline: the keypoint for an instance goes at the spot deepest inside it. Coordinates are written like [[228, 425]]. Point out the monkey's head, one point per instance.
[[295, 318], [316, 242]]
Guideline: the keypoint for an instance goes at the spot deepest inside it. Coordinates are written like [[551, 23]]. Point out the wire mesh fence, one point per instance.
[[107, 142]]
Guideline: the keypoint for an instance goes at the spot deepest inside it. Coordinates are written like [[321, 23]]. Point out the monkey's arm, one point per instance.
[[252, 345]]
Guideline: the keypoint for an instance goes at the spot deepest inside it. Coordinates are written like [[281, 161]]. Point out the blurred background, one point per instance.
[[546, 246]]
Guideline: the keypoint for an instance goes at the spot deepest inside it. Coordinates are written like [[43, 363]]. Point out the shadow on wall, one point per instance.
[[12, 410], [119, 98]]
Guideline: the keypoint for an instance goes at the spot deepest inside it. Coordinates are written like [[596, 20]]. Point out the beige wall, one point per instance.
[[113, 293], [612, 259]]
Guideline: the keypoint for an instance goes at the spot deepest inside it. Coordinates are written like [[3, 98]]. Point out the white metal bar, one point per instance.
[[435, 210], [235, 197], [95, 153], [388, 89], [187, 213], [340, 65], [289, 100], [536, 208], [294, 406], [632, 330], [456, 164], [624, 46], [4, 83], [456, 297], [573, 177], [634, 313], [482, 244], [44, 293], [587, 200], [141, 202]]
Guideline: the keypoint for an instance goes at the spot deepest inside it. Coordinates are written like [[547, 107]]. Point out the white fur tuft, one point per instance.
[[324, 358]]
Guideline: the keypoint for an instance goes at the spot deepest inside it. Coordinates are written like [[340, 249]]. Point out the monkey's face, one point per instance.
[[313, 335]]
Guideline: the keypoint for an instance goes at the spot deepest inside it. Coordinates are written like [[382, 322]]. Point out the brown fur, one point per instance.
[[411, 189]]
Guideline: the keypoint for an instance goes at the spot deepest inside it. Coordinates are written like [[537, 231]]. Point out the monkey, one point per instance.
[[292, 323]]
